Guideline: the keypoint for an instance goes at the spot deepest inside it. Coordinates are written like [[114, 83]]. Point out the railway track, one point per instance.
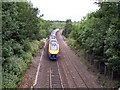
[[49, 73], [78, 81], [55, 77], [82, 76], [66, 72]]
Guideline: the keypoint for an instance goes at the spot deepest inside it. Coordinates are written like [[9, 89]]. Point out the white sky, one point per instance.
[[64, 9]]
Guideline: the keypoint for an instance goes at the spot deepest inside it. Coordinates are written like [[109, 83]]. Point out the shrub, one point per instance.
[[15, 64], [27, 57], [7, 50], [37, 42], [26, 45], [32, 47], [73, 43], [17, 48], [12, 70], [9, 80]]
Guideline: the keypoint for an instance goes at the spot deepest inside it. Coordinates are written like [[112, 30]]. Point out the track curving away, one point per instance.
[[66, 72]]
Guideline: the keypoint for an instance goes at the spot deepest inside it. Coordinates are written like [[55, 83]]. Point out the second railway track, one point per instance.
[[65, 72]]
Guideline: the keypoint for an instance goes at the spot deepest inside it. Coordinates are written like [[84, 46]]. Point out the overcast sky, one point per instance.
[[64, 9]]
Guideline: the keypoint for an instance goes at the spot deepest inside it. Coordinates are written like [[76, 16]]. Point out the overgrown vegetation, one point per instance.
[[68, 28], [99, 35], [22, 32]]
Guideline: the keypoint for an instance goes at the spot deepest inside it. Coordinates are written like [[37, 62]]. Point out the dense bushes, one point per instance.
[[68, 28], [13, 67], [15, 64], [22, 32], [99, 34]]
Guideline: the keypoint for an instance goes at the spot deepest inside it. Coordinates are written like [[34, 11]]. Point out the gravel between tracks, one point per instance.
[[66, 72]]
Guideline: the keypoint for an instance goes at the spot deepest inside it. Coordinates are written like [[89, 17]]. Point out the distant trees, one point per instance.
[[68, 28], [57, 24]]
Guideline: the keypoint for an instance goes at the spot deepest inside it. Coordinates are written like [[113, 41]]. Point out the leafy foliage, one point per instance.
[[99, 34], [22, 32], [68, 28]]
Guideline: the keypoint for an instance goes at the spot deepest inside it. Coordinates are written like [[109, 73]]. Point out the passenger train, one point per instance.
[[53, 47]]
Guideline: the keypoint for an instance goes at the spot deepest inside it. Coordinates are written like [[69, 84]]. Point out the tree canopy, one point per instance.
[[99, 34], [22, 32]]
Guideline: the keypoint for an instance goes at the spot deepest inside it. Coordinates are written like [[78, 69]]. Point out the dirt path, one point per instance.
[[66, 72]]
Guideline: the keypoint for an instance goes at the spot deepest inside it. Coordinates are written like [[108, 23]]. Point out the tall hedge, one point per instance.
[[22, 32], [99, 34]]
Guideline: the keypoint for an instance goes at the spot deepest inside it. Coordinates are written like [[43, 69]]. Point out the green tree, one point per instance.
[[22, 32], [68, 28], [98, 33]]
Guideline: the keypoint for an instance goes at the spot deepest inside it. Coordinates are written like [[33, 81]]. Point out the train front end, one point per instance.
[[53, 51]]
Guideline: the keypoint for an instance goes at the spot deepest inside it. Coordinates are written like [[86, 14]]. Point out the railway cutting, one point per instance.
[[63, 70]]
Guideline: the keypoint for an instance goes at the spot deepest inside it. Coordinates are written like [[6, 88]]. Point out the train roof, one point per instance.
[[52, 37], [53, 41]]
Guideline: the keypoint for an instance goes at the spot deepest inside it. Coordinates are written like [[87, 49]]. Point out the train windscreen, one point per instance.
[[53, 47]]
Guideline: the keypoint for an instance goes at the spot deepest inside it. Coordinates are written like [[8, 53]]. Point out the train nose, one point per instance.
[[53, 56]]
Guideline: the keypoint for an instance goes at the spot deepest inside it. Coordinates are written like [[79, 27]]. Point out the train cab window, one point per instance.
[[54, 47]]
